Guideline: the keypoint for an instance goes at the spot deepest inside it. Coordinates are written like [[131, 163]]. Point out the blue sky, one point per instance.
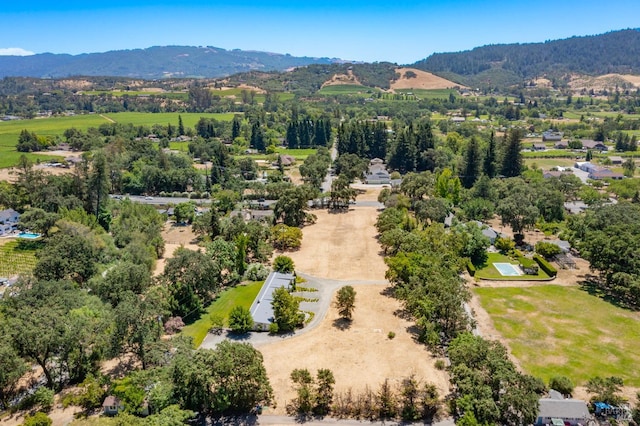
[[397, 31]]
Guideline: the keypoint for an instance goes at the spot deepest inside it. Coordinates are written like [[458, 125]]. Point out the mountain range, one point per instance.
[[497, 65], [152, 63]]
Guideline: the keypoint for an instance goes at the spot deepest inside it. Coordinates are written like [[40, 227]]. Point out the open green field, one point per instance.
[[346, 89], [488, 272], [133, 93], [549, 163], [555, 330], [17, 257], [242, 295], [55, 126], [430, 94]]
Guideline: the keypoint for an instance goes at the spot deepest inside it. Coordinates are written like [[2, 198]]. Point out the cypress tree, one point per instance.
[[489, 165], [471, 163], [512, 161]]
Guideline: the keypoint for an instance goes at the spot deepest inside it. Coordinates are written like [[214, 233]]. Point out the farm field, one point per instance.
[[430, 93], [242, 295], [16, 257], [346, 89], [55, 126], [553, 330]]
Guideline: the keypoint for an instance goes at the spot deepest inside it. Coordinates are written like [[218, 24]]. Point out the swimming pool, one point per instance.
[[508, 269], [29, 235]]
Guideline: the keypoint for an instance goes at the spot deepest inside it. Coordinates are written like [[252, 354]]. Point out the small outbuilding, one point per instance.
[[112, 405]]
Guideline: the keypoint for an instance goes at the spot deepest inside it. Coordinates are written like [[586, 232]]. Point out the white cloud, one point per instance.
[[15, 51]]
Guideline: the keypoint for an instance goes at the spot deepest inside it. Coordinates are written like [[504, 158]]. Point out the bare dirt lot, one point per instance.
[[343, 246], [422, 80], [175, 237], [359, 356]]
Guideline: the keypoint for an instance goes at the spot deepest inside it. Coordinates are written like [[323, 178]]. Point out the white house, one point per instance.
[[8, 221], [261, 309]]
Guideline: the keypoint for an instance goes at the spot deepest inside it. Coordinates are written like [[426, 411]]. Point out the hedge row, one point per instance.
[[471, 269], [545, 266]]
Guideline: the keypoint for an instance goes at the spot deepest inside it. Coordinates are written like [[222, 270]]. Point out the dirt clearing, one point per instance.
[[422, 80], [341, 246], [174, 237], [359, 356]]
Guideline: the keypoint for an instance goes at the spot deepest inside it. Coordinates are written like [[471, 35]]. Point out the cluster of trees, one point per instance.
[[308, 133], [30, 142], [315, 396], [488, 389], [607, 238]]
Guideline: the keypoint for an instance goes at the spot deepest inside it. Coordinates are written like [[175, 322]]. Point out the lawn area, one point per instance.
[[17, 257], [430, 94], [549, 163], [346, 89], [554, 330], [55, 126], [242, 295], [489, 272]]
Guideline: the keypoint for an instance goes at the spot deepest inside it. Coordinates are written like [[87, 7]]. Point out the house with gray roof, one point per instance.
[[557, 410], [9, 219], [261, 308]]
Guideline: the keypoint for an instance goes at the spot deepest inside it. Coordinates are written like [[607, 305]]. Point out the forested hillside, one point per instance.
[[154, 62], [613, 52], [310, 79]]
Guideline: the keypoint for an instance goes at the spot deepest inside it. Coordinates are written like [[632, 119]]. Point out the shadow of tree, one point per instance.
[[342, 323]]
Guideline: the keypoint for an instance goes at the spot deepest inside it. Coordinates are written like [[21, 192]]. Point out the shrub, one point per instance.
[[273, 328], [173, 325], [471, 269], [547, 250], [283, 264], [391, 335], [440, 365], [175, 194], [240, 320], [194, 195], [545, 266], [38, 419], [505, 245], [256, 272], [184, 194], [562, 384], [42, 398]]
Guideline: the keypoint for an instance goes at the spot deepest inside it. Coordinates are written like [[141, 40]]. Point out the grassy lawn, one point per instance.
[[548, 163], [489, 272], [241, 295], [555, 330], [346, 89], [55, 126], [17, 257], [430, 94]]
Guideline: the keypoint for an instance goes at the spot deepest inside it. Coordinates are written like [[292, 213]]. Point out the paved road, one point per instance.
[[161, 201], [327, 421]]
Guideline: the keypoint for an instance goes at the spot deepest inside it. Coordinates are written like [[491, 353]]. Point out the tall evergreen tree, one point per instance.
[[235, 128], [489, 164], [512, 160], [404, 156], [180, 126], [257, 137], [471, 163]]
